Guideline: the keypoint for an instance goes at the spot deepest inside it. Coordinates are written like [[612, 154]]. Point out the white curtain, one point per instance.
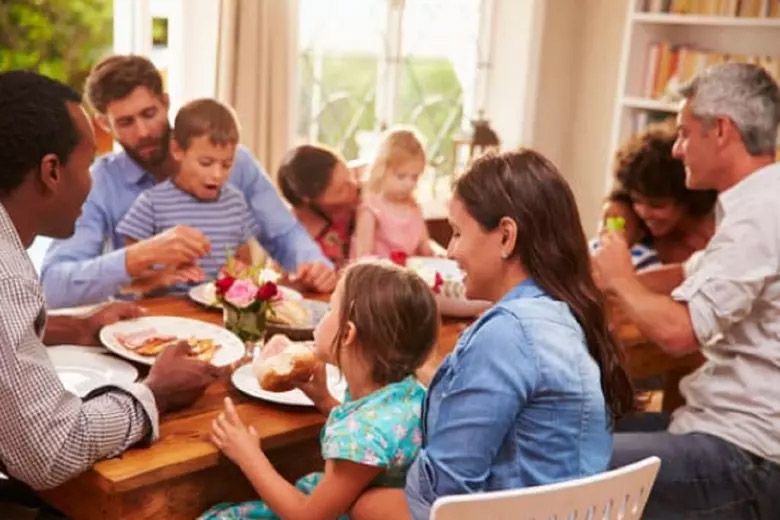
[[256, 63]]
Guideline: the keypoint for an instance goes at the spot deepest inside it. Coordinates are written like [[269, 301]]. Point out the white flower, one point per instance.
[[267, 275]]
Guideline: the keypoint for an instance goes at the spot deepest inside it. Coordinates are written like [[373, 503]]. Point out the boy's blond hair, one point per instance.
[[206, 117], [399, 144]]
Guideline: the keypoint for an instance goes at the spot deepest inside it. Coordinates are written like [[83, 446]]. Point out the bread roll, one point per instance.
[[283, 362]]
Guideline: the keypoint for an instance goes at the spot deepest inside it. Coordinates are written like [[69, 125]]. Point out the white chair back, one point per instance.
[[620, 494]]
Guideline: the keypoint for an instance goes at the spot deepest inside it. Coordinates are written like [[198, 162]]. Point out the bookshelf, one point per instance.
[[666, 42]]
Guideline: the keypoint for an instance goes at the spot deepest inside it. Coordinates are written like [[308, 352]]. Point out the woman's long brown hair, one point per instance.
[[551, 245]]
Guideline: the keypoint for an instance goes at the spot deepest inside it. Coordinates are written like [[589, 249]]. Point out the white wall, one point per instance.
[[190, 60], [578, 74], [512, 81]]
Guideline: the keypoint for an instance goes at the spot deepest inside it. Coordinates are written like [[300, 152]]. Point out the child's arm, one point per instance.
[[365, 226], [152, 280], [424, 247], [342, 484], [244, 254]]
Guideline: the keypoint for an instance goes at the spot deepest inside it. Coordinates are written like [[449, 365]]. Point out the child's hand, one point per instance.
[[616, 224], [317, 389], [612, 261], [233, 438]]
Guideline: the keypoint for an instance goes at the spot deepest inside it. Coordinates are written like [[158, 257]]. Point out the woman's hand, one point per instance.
[[228, 433], [317, 389]]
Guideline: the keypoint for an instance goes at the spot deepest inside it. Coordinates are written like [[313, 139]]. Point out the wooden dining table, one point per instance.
[[182, 474]]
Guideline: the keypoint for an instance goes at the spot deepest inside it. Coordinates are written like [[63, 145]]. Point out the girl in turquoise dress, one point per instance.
[[381, 326]]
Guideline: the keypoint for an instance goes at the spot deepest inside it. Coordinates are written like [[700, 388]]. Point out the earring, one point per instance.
[[504, 255]]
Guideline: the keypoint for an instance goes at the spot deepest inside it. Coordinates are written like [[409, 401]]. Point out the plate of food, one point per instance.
[[450, 289], [272, 374], [141, 339], [296, 318], [82, 371], [451, 275], [206, 294]]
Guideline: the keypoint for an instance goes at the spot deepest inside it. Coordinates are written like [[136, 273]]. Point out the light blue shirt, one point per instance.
[[518, 403], [90, 266]]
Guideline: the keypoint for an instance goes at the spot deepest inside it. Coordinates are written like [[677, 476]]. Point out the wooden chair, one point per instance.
[[620, 494]]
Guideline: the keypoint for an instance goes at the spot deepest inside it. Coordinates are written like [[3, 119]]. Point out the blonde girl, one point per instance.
[[390, 219]]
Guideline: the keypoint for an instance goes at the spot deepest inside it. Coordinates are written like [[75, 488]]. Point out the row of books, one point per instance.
[[670, 67], [740, 8]]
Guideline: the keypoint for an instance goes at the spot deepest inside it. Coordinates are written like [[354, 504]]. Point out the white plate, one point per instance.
[[447, 268], [231, 347], [206, 294], [82, 371], [245, 380], [317, 309], [75, 311]]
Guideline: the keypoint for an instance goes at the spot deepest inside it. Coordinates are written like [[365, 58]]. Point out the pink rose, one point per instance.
[[241, 294]]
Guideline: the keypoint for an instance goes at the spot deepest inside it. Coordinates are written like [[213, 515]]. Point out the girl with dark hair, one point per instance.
[[531, 391], [324, 194], [617, 214], [680, 220], [381, 326]]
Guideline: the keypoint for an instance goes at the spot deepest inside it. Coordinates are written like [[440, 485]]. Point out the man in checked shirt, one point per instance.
[[48, 435]]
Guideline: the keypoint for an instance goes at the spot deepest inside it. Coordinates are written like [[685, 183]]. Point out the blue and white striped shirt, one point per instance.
[[642, 255], [90, 266], [227, 222]]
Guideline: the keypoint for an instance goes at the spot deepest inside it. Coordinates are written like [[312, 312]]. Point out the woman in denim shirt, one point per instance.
[[530, 392]]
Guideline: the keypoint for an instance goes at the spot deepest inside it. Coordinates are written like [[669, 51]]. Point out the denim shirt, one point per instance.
[[90, 265], [518, 403]]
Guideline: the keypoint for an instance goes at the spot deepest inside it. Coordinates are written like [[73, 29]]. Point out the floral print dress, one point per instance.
[[381, 429]]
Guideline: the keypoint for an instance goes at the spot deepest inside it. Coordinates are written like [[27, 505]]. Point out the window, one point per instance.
[[367, 64], [62, 40]]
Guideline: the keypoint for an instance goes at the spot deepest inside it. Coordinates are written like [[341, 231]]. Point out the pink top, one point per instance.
[[395, 230]]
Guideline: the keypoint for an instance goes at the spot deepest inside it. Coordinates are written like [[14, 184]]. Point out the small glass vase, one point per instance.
[[248, 324]]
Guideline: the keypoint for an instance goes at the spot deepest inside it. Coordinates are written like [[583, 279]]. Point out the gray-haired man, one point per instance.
[[721, 451]]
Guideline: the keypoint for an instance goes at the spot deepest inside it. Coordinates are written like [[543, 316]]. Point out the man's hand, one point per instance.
[[106, 315], [612, 261], [83, 330], [177, 380], [315, 276], [175, 247]]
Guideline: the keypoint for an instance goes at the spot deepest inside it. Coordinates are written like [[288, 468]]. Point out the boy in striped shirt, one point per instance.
[[205, 137]]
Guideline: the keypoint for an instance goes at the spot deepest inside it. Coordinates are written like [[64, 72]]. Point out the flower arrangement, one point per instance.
[[246, 294]]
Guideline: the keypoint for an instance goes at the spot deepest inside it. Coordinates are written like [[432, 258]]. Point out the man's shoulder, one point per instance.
[[755, 193], [109, 163], [15, 267], [114, 169], [244, 164], [244, 155]]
